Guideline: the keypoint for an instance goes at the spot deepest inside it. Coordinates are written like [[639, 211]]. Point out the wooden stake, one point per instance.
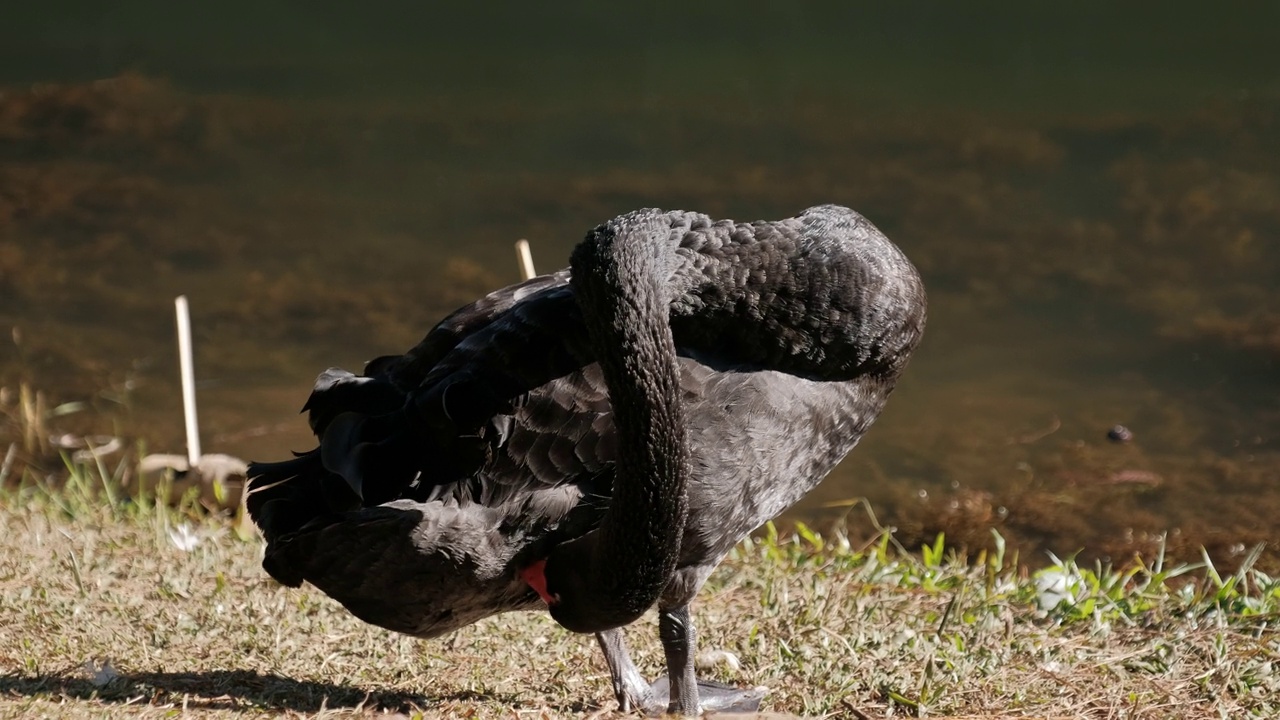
[[188, 379], [525, 257]]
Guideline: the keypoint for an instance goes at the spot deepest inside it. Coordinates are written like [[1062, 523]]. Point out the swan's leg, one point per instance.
[[628, 685], [688, 696], [675, 628]]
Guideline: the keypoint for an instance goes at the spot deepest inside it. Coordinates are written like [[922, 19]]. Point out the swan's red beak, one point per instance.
[[536, 576]]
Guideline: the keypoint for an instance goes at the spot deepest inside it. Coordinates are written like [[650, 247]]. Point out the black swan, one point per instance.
[[598, 439]]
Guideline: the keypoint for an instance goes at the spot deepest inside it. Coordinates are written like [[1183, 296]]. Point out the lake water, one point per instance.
[[1092, 195]]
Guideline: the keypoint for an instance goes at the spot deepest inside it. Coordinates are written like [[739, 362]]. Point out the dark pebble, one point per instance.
[[1120, 434]]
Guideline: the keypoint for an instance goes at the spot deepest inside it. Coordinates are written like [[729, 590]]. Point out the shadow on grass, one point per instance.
[[231, 690]]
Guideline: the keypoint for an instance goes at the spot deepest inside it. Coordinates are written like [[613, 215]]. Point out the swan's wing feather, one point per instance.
[[412, 368], [399, 429], [561, 434], [386, 380], [451, 425], [338, 391]]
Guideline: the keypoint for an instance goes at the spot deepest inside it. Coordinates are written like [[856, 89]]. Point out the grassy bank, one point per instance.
[[116, 607]]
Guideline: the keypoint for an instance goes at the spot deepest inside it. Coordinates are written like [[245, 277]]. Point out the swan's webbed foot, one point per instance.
[[685, 696], [712, 697], [654, 700]]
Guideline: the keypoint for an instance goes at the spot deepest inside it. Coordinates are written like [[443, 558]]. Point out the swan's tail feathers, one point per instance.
[[337, 391], [370, 460], [284, 496], [374, 446], [366, 456]]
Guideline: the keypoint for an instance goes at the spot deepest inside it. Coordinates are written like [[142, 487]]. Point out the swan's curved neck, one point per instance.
[[620, 275]]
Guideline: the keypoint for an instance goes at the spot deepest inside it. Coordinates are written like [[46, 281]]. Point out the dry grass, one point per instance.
[[102, 614], [140, 606]]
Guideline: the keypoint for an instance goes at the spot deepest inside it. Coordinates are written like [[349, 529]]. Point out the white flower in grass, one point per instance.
[[1056, 585], [184, 538], [709, 659], [100, 672]]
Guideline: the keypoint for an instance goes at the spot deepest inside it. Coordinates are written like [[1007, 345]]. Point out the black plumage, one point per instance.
[[744, 361]]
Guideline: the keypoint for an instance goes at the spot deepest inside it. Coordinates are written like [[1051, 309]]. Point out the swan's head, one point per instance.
[[581, 598]]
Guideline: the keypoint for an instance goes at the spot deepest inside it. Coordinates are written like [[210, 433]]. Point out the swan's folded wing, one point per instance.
[[561, 433], [400, 427], [387, 380], [452, 424], [411, 369]]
